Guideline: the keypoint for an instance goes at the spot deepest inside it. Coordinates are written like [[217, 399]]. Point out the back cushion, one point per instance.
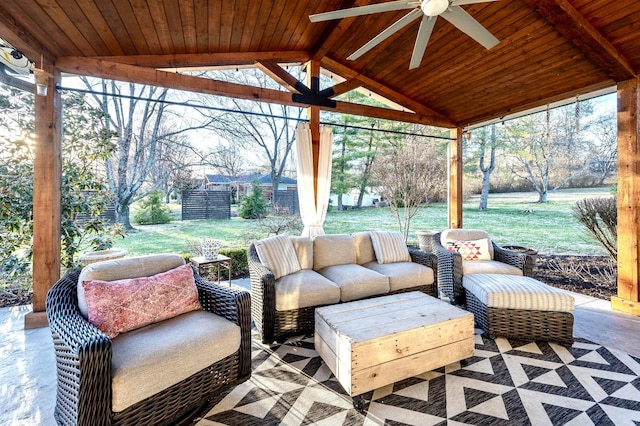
[[128, 267], [277, 254], [304, 250], [364, 249], [330, 250], [389, 247], [451, 235]]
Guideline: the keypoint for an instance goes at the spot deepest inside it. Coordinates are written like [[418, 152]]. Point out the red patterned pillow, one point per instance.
[[471, 250], [123, 305]]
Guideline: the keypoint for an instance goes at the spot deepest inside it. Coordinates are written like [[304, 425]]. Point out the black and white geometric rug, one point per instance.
[[506, 382]]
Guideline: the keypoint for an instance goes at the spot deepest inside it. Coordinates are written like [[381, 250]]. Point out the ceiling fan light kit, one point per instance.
[[429, 10]]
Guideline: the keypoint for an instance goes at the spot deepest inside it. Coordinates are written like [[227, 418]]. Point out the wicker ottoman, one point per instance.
[[519, 307]]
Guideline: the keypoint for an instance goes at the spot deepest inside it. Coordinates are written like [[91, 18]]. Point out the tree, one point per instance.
[[142, 121], [548, 148], [603, 152], [266, 132], [84, 192], [410, 173], [487, 169], [152, 210]]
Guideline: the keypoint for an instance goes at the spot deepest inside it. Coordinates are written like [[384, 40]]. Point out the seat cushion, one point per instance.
[[150, 359], [403, 274], [488, 267], [128, 267], [278, 254], [355, 281], [333, 249], [304, 289], [513, 292]]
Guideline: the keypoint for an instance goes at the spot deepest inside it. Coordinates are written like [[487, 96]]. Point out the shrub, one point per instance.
[[600, 217], [253, 206], [279, 221], [152, 210]]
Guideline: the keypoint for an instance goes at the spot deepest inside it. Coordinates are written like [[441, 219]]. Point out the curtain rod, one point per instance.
[[257, 114]]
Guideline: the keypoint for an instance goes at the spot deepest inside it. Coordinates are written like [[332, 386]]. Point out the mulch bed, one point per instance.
[[590, 275]]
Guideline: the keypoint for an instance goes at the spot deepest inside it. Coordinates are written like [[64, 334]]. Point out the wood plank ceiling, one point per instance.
[[548, 50]]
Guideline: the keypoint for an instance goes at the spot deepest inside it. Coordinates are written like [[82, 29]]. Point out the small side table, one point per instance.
[[218, 262]]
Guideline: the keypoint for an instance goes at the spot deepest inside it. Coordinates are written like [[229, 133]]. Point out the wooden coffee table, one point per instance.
[[374, 342]]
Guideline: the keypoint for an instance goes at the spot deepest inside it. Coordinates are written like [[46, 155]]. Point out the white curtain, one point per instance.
[[313, 210]]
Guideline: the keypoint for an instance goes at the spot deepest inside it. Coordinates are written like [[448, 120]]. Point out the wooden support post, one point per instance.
[[47, 172], [454, 204], [628, 299], [313, 114]]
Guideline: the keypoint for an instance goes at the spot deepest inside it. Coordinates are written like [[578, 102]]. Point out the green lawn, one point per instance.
[[512, 219]]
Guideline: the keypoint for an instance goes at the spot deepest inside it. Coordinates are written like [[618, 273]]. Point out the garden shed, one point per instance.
[[547, 51]]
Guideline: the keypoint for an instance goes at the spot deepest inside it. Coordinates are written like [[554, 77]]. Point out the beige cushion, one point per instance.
[[128, 267], [278, 255], [512, 292], [403, 274], [465, 235], [389, 247], [303, 289], [488, 267], [364, 248], [333, 249], [355, 281], [150, 359], [304, 250]]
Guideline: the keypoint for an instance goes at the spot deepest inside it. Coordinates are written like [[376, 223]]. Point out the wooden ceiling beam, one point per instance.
[[281, 76], [576, 28], [345, 86], [130, 73], [23, 40], [370, 84], [199, 60], [333, 31]]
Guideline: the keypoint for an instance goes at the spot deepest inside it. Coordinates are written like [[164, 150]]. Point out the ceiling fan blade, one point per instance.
[[402, 22], [426, 26], [364, 10], [461, 2], [468, 25]]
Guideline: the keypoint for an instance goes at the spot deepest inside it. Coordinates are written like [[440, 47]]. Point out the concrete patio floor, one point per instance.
[[28, 378]]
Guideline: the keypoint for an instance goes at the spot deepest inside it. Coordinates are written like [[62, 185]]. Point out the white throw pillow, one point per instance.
[[389, 247], [471, 250], [278, 254]]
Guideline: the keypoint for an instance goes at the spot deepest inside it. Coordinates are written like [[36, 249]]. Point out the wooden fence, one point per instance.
[[197, 204]]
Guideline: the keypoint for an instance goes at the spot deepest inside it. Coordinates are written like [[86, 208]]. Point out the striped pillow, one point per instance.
[[278, 254], [389, 247]]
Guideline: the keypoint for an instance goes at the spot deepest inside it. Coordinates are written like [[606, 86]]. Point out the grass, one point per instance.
[[512, 219]]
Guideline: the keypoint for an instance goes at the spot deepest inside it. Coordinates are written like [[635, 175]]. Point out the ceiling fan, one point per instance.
[[429, 10]]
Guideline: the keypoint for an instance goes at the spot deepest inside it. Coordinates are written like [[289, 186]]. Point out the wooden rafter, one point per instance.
[[22, 39], [193, 60], [141, 75], [420, 109], [576, 28], [281, 76]]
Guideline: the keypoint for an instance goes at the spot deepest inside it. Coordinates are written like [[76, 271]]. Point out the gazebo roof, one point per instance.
[[549, 49]]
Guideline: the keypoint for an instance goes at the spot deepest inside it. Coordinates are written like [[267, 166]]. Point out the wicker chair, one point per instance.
[[450, 264], [84, 353], [275, 325]]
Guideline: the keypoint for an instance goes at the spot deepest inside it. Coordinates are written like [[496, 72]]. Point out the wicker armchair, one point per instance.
[[450, 263], [84, 370], [275, 325]]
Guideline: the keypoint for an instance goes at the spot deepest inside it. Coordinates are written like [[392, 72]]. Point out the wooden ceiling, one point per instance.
[[549, 49]]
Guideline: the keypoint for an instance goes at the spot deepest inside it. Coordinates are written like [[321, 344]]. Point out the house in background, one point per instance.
[[242, 184]]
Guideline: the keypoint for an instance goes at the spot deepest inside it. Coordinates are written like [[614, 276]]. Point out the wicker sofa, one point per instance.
[[332, 269], [97, 373]]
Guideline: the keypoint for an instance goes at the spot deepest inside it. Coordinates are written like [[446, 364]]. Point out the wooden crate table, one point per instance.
[[374, 342]]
